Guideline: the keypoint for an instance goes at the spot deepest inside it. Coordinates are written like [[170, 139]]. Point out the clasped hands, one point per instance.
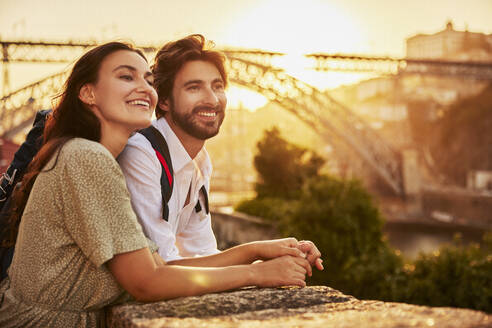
[[271, 249]]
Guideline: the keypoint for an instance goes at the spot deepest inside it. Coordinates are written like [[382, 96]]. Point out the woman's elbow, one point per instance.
[[145, 292]]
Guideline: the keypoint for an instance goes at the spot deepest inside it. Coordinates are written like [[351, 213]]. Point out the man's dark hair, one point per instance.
[[173, 55]]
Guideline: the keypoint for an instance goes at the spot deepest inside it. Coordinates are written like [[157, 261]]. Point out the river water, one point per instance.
[[411, 238]]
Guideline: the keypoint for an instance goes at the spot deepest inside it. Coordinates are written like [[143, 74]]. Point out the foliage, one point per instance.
[[340, 217], [454, 276], [283, 167], [268, 208]]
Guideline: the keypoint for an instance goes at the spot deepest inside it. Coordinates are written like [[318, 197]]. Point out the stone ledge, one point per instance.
[[316, 306]]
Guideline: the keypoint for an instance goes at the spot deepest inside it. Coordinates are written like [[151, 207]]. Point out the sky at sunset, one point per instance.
[[377, 27]]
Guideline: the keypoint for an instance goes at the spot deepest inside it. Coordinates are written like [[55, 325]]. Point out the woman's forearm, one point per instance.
[[172, 281], [141, 276]]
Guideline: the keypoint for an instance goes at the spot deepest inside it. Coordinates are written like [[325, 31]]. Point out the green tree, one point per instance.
[[283, 167], [338, 215]]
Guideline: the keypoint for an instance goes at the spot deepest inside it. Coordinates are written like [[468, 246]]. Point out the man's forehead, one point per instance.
[[198, 70]]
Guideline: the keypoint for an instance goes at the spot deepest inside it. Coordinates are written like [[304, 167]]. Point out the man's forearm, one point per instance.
[[242, 254]]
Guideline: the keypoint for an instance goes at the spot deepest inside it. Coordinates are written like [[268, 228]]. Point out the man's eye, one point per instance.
[[193, 87], [219, 86]]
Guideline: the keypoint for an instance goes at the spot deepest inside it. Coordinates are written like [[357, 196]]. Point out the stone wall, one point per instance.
[[316, 306]]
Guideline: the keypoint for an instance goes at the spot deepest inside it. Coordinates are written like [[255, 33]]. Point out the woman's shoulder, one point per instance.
[[81, 147], [86, 153]]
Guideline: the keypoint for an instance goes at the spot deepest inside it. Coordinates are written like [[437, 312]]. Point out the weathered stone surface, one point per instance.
[[317, 306]]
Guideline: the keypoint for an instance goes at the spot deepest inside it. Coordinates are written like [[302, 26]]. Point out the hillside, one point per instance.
[[462, 139]]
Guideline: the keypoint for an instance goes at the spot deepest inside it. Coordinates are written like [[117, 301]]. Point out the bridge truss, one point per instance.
[[403, 66], [253, 69]]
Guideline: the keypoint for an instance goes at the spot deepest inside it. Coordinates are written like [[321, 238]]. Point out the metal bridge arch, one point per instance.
[[327, 117]]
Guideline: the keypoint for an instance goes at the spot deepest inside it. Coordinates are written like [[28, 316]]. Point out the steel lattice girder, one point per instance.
[[322, 113], [461, 69], [326, 116]]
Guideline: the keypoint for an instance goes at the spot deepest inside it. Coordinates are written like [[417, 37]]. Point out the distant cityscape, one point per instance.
[[451, 44], [383, 102]]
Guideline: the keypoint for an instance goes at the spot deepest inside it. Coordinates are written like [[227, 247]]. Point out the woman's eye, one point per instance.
[[126, 77], [150, 82], [219, 86]]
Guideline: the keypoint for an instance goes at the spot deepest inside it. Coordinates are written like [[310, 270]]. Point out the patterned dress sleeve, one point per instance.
[[96, 203]]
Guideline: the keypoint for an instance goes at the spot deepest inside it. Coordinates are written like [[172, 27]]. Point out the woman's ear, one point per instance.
[[86, 95]]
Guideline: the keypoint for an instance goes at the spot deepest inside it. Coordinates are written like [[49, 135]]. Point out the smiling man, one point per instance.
[[190, 81]]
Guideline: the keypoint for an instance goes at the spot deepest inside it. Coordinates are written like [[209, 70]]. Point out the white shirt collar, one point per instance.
[[179, 155]]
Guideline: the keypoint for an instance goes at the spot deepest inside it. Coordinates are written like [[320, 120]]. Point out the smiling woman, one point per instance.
[[75, 209]]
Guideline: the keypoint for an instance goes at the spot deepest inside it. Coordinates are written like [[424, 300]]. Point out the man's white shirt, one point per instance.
[[186, 233]]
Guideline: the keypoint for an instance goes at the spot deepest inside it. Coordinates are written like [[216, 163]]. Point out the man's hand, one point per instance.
[[313, 255], [270, 249]]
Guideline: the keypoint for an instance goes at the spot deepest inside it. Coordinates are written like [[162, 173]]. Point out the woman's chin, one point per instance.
[[143, 124]]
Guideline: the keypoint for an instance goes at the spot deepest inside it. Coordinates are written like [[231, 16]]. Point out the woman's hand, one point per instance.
[[281, 271]]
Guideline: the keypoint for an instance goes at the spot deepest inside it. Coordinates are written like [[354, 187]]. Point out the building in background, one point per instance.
[[451, 44]]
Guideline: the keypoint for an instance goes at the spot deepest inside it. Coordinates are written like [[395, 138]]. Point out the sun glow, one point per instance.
[[239, 97], [296, 28]]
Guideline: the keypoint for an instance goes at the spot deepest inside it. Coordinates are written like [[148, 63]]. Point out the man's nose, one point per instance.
[[211, 97]]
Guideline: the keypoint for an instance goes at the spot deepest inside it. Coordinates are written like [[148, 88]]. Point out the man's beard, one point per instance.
[[199, 130]]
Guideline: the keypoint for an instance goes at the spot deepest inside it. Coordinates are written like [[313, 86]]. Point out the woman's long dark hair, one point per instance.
[[70, 119]]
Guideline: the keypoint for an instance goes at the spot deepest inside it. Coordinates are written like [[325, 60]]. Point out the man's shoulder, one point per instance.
[[138, 149], [138, 140]]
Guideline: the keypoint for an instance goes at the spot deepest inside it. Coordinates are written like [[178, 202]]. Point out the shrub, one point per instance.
[[340, 217], [453, 276]]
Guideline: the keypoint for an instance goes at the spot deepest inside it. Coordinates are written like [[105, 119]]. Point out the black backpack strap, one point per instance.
[[23, 156], [198, 207], [162, 152]]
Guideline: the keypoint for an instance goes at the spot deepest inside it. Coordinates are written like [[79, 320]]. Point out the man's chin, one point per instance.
[[204, 135]]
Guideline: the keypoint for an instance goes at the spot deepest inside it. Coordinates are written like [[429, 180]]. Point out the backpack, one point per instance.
[[161, 149], [29, 148], [11, 179]]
